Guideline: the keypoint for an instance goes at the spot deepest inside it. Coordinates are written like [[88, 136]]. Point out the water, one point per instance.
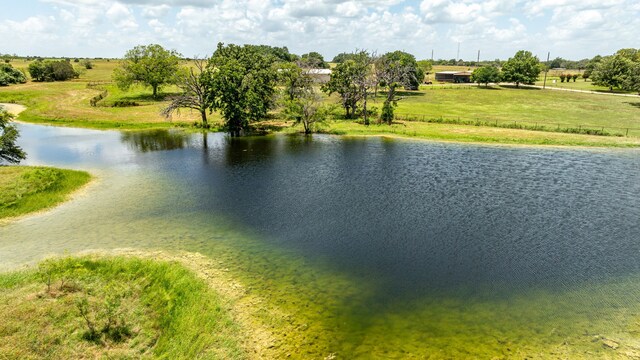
[[381, 248]]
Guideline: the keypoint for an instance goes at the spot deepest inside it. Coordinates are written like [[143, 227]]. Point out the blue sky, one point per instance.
[[571, 29]]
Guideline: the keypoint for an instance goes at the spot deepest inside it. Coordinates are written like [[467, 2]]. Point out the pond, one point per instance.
[[381, 248]]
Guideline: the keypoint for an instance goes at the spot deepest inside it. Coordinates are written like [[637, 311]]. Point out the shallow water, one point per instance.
[[381, 248]]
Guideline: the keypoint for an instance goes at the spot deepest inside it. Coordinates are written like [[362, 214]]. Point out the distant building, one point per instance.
[[454, 76], [320, 76]]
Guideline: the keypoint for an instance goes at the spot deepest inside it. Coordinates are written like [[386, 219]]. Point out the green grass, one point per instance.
[[470, 134], [68, 104], [159, 310], [25, 189], [526, 106]]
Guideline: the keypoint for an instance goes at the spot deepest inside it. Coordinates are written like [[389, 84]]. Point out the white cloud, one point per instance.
[[155, 11], [121, 17], [498, 27]]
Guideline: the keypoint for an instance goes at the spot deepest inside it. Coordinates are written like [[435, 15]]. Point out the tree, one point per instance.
[[632, 80], [364, 78], [393, 70], [412, 74], [279, 54], [306, 108], [194, 85], [342, 57], [611, 71], [630, 54], [10, 75], [342, 82], [52, 70], [591, 65], [294, 80], [313, 60], [150, 65], [9, 151], [426, 66], [485, 75], [557, 63], [87, 64], [522, 68], [241, 84]]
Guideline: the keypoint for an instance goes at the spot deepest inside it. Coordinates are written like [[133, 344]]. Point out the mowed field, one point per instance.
[[68, 104]]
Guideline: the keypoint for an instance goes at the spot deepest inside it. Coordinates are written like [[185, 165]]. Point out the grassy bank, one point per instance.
[[113, 308], [471, 134], [26, 189]]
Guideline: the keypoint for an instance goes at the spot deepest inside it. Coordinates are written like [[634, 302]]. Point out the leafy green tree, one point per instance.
[[279, 54], [293, 79], [313, 60], [9, 151], [38, 70], [342, 82], [611, 71], [241, 84], [591, 65], [342, 57], [195, 87], [630, 54], [485, 75], [523, 68], [52, 70], [10, 75], [426, 66], [403, 69], [150, 65], [87, 64], [632, 80], [307, 108], [557, 63]]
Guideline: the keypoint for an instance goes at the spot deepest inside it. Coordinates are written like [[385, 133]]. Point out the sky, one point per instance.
[[571, 29]]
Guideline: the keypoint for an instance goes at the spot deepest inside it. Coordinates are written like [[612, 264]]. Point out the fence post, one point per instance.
[[627, 132]]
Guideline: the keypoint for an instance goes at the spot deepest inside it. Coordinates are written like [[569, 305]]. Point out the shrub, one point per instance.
[[10, 75], [562, 77], [52, 71], [124, 103]]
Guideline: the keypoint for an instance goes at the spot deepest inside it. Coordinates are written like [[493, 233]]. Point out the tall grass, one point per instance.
[[170, 312]]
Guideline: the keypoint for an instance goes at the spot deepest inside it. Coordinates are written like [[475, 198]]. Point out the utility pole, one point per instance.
[[478, 63], [458, 55], [431, 55], [544, 85]]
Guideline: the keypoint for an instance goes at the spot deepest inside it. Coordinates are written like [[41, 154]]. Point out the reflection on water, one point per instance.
[[395, 247], [155, 140]]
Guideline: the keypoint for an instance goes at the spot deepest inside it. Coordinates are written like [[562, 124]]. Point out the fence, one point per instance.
[[587, 129]]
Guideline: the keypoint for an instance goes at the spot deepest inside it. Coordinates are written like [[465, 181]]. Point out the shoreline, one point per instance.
[[16, 109]]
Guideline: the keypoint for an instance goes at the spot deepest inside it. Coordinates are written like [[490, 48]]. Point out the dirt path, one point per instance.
[[14, 109]]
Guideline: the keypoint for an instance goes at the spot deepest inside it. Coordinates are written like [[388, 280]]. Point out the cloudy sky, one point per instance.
[[571, 29]]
